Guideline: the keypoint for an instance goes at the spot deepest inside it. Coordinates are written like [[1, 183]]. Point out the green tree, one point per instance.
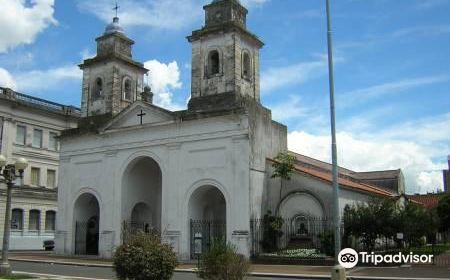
[[371, 220], [283, 165], [272, 226], [443, 211]]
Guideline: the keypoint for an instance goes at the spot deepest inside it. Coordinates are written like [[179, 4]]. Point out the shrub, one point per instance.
[[144, 257], [327, 243], [271, 232], [222, 262]]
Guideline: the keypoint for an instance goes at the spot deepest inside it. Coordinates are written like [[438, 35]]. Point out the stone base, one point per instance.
[[5, 269], [338, 273]]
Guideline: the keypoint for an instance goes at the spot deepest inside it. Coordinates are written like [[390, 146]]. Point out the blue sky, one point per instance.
[[392, 68]]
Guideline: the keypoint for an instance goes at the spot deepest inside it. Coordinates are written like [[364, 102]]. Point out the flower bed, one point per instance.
[[296, 253]]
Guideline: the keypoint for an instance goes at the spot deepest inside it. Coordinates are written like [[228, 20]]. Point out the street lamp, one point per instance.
[[10, 173]]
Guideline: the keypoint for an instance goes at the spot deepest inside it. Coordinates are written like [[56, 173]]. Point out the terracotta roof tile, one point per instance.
[[428, 200]]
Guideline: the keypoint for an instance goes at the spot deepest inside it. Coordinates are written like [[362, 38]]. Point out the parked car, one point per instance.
[[49, 245]]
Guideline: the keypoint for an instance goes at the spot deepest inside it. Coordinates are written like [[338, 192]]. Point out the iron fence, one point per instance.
[[203, 233], [302, 235]]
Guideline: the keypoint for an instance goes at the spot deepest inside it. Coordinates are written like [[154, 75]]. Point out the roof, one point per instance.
[[388, 180], [343, 182], [39, 103], [430, 200]]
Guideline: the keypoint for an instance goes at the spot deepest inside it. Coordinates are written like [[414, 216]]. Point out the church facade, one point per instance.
[[133, 165]]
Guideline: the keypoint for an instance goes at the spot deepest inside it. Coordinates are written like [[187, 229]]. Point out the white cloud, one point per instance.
[[278, 77], [428, 4], [21, 21], [250, 3], [165, 14], [363, 94], [46, 79], [378, 152], [163, 79], [292, 108], [6, 80]]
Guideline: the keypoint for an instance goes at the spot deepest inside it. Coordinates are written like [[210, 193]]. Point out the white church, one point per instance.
[[133, 163]]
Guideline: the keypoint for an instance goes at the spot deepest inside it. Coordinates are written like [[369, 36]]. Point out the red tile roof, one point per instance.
[[343, 182], [428, 200]]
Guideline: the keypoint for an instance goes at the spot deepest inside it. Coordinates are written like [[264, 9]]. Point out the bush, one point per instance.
[[271, 232], [222, 262], [327, 243], [144, 257]]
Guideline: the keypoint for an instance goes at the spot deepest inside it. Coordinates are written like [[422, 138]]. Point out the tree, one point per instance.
[[443, 211], [283, 167], [368, 221]]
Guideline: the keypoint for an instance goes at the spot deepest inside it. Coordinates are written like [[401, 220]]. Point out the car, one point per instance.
[[49, 245]]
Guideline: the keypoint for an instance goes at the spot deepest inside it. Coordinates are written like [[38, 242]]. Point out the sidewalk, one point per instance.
[[285, 271]]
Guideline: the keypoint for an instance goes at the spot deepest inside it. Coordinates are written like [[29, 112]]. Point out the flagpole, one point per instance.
[[336, 216]]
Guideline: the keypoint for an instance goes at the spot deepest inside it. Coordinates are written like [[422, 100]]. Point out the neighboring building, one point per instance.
[[201, 171], [29, 128], [446, 174]]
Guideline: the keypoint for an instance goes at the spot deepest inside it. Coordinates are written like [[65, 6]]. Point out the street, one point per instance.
[[89, 272]]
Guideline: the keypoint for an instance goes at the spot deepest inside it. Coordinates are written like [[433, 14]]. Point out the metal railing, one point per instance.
[[38, 102]]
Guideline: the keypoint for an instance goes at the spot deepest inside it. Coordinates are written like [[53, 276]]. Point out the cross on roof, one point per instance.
[[116, 8], [141, 115]]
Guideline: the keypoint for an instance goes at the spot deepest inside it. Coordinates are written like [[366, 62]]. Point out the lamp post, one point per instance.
[[10, 173]]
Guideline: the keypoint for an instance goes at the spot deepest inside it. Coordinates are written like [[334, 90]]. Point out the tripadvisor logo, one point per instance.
[[349, 258]]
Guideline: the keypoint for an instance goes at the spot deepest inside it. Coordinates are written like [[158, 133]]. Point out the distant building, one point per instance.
[[446, 174], [29, 128]]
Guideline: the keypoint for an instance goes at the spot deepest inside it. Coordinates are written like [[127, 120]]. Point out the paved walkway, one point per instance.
[[297, 271]]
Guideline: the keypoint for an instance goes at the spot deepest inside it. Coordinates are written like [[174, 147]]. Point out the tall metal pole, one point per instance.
[[5, 268], [337, 218]]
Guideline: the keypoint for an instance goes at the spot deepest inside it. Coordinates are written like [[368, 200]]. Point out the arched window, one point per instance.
[[34, 220], [17, 219], [126, 89], [213, 63], [98, 88], [246, 66], [50, 217]]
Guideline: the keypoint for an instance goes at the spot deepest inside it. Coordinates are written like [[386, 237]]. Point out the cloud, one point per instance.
[[413, 147], [34, 80], [431, 30], [21, 21], [428, 4], [279, 77], [164, 14], [389, 88], [250, 3], [6, 80], [292, 108], [163, 79]]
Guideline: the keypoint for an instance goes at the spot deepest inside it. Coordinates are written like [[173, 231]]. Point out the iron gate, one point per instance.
[[203, 233]]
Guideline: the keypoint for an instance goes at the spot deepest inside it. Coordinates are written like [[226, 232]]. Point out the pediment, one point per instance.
[[131, 117]]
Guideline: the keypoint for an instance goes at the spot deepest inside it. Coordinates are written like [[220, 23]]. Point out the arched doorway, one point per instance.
[[207, 218], [87, 224], [142, 195]]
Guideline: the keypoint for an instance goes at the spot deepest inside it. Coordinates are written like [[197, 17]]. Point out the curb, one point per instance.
[[255, 274]]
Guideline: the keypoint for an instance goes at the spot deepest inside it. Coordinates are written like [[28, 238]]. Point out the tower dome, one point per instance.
[[114, 27]]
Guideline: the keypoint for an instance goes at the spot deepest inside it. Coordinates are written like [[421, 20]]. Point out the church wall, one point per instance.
[[267, 139], [212, 151], [320, 190]]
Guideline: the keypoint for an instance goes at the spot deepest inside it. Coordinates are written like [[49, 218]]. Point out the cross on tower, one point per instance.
[[141, 115], [116, 8]]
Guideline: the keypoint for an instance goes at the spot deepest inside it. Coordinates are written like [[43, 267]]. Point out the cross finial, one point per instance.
[[116, 8]]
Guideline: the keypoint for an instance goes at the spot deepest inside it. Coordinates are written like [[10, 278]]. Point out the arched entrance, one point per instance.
[[142, 195], [207, 218], [87, 224]]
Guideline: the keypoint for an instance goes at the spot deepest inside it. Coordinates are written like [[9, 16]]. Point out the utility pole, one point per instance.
[[336, 216]]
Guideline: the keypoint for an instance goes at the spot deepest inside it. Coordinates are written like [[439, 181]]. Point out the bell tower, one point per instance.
[[225, 59], [112, 80]]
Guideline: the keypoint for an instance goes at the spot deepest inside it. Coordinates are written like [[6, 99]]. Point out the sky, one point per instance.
[[392, 69]]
